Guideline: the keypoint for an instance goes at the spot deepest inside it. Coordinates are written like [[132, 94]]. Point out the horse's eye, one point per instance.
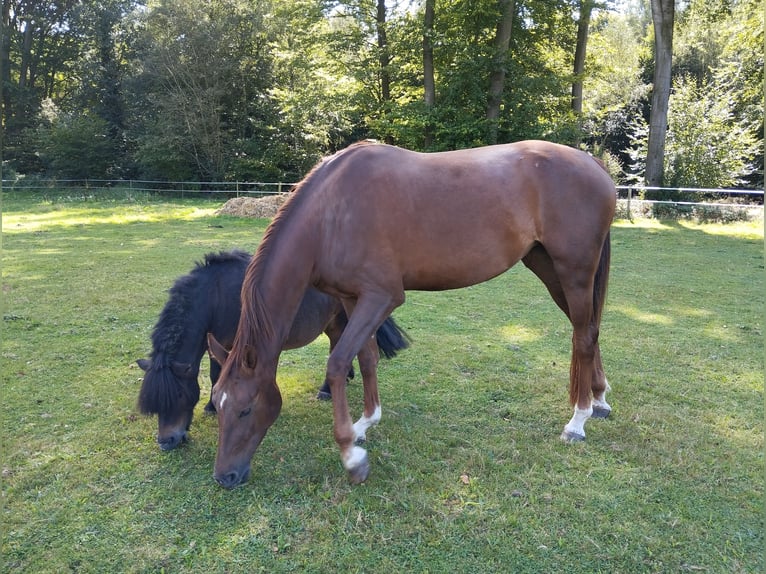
[[245, 412]]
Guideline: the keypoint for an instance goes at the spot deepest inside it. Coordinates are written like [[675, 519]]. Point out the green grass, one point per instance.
[[468, 474]]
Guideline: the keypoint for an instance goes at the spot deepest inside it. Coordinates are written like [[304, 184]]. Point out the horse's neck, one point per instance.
[[281, 286]]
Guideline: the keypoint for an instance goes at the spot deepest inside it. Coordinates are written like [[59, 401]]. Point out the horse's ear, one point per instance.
[[183, 370], [144, 364], [217, 351]]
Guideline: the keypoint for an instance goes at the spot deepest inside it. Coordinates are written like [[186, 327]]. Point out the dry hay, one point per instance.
[[258, 207]]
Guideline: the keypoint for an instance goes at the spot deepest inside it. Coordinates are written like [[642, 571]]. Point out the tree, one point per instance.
[[705, 146], [583, 21], [429, 87], [497, 75], [663, 12]]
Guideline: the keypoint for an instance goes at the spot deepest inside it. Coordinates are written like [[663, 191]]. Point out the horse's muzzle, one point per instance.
[[233, 479]]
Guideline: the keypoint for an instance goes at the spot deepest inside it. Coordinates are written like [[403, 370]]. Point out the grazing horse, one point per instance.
[[373, 221], [208, 300]]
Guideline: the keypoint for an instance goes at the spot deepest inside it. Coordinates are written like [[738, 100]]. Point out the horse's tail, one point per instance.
[[600, 283], [601, 280], [391, 339]]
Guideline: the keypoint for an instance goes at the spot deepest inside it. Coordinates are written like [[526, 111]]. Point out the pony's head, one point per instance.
[[248, 402], [170, 390]]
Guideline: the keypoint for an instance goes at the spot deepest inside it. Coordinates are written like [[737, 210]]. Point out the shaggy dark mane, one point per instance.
[[181, 314], [172, 324]]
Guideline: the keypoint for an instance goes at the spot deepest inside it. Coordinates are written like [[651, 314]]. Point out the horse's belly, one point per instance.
[[461, 266]]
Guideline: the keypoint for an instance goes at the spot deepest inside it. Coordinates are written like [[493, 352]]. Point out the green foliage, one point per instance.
[[242, 90], [705, 146], [468, 473]]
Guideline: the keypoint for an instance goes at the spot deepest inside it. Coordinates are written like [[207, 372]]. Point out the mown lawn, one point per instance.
[[468, 473]]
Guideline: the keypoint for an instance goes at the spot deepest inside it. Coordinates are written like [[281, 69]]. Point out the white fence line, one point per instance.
[[248, 188]]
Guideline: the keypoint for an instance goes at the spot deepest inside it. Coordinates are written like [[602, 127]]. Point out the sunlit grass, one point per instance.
[[468, 474]]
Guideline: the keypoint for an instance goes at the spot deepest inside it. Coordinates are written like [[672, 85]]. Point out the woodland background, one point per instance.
[[246, 90]]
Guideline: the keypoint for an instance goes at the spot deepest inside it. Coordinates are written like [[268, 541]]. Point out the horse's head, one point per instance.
[[169, 390], [248, 402]]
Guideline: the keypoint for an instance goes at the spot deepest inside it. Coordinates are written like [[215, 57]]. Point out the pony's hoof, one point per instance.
[[209, 408], [324, 396], [572, 437], [600, 413], [360, 440]]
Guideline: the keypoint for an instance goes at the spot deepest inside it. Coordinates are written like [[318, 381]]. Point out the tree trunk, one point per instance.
[[384, 59], [497, 76], [428, 71], [586, 6], [663, 12]]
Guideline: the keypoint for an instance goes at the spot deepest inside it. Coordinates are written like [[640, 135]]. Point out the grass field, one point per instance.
[[468, 473]]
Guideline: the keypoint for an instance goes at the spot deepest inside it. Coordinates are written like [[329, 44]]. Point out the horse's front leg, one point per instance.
[[368, 365], [357, 339]]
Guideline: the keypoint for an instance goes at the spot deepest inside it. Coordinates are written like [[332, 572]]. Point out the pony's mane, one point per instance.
[[161, 387], [173, 323], [255, 322]]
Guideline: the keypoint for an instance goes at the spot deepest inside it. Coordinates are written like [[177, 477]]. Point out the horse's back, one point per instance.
[[456, 218]]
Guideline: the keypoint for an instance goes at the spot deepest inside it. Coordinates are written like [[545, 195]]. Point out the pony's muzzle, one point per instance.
[[171, 441]]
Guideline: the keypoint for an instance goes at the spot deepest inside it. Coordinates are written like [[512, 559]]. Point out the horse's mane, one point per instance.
[[255, 322]]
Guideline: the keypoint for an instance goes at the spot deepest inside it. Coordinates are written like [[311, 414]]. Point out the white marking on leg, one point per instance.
[[599, 401], [353, 457], [361, 426], [575, 428], [223, 400]]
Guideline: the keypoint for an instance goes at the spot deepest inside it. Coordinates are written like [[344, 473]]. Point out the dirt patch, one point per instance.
[[258, 207]]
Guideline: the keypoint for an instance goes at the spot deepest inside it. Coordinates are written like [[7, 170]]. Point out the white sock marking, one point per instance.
[[354, 457], [361, 426], [577, 424]]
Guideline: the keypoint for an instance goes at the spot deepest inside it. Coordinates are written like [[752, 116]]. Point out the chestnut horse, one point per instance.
[[373, 221]]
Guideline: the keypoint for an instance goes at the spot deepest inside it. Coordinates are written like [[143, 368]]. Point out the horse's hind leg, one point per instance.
[[540, 263], [599, 387], [368, 365]]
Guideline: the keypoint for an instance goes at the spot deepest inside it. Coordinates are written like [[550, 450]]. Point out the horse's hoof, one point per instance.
[[360, 440], [209, 408], [600, 413], [359, 473], [572, 437], [324, 396]]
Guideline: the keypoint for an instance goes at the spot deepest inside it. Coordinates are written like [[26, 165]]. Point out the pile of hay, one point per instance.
[[258, 207]]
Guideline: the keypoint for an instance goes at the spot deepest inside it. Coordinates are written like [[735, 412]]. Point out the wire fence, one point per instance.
[[635, 200]]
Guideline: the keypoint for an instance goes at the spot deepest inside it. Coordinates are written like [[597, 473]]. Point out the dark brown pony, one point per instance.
[[373, 221]]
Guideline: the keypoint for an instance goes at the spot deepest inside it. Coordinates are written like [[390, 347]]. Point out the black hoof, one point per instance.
[[359, 474], [572, 437], [324, 396], [209, 408], [600, 413]]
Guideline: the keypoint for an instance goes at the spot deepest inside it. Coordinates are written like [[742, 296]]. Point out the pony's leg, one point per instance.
[[369, 313], [368, 365], [334, 330], [215, 372]]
